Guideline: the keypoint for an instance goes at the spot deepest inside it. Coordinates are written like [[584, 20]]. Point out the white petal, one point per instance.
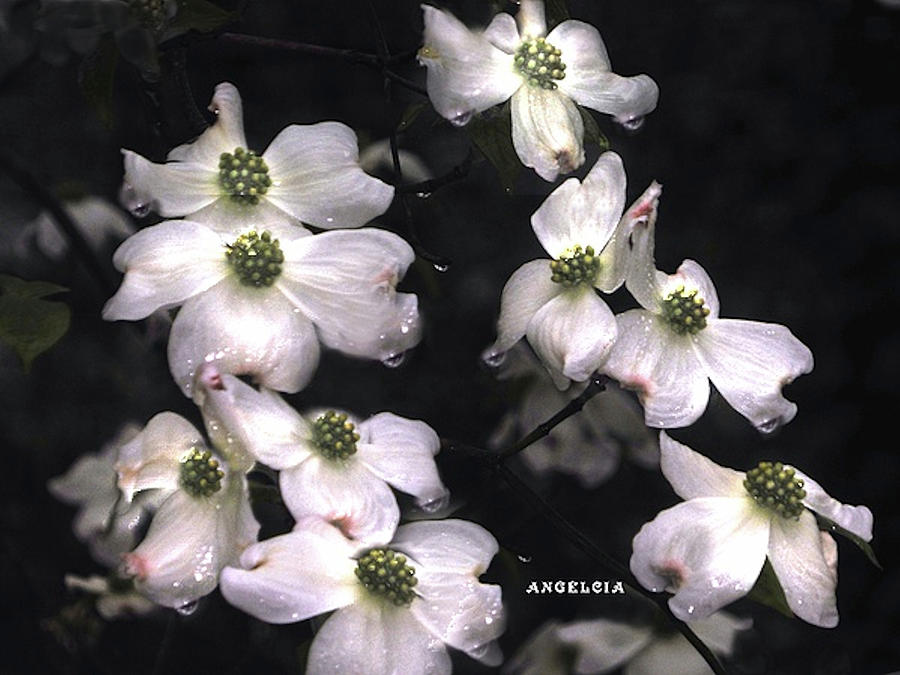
[[245, 331], [799, 561], [583, 213], [708, 551], [189, 542], [153, 458], [401, 452], [692, 277], [642, 279], [260, 421], [531, 19], [541, 654], [547, 131], [232, 219], [856, 519], [502, 32], [376, 638], [462, 612], [164, 265], [224, 136], [603, 645], [661, 366], [588, 78], [719, 632], [749, 362], [456, 546], [528, 289], [693, 475], [466, 73], [573, 333], [672, 655], [316, 177], [345, 281], [346, 494], [173, 189], [294, 576]]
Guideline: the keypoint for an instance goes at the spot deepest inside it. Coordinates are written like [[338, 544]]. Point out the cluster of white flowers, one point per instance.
[[269, 259]]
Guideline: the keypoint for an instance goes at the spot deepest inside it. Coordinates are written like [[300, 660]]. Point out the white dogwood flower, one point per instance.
[[397, 606], [669, 350], [114, 598], [106, 523], [204, 521], [710, 549], [545, 75], [589, 445], [258, 303], [308, 174], [552, 302], [330, 464], [598, 646]]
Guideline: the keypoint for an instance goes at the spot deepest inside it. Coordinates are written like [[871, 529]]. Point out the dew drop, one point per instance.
[[436, 505], [462, 119], [479, 651], [188, 608], [769, 426], [492, 358], [441, 267], [130, 200], [423, 195], [632, 124], [524, 558], [394, 360]]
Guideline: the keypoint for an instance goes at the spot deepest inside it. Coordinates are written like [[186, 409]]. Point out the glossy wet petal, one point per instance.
[[547, 131]]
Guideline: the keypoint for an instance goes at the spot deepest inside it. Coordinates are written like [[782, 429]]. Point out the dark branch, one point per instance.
[[426, 187]]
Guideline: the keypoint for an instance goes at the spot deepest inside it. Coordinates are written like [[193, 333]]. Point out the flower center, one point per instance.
[[243, 175], [539, 63], [151, 14], [575, 266], [684, 311], [256, 258], [200, 474], [385, 573], [334, 435], [776, 488]]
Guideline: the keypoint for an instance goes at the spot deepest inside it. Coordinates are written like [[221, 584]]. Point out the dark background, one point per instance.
[[777, 140]]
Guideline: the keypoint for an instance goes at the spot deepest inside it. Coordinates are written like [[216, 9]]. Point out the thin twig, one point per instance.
[[373, 61], [49, 202], [562, 525], [426, 187]]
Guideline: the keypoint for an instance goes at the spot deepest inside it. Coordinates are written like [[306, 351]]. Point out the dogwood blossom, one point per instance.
[[259, 303], [552, 302], [105, 522], [397, 605], [308, 174], [589, 445], [331, 464], [204, 520], [669, 350], [597, 646], [543, 74], [114, 598], [710, 549]]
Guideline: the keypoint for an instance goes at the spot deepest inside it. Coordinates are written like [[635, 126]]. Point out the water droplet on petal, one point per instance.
[[441, 267], [188, 608], [769, 426], [632, 124], [462, 119], [436, 504], [130, 200], [493, 358], [394, 360], [479, 651]]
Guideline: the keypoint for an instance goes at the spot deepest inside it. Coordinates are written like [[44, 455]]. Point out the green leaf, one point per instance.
[[592, 133], [830, 526], [767, 591], [29, 324], [411, 114], [491, 132], [556, 13], [96, 75], [201, 16]]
